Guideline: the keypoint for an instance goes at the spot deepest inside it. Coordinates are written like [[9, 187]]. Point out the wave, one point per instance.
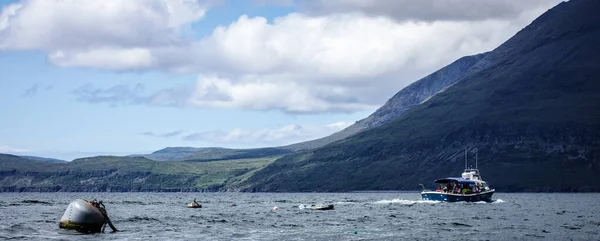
[[141, 219], [405, 202]]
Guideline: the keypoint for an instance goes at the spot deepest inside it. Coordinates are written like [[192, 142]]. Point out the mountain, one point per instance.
[[530, 108], [43, 159], [402, 101], [123, 174], [213, 153], [171, 153]]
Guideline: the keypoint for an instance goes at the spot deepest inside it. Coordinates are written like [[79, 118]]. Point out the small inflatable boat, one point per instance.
[[322, 207], [82, 216]]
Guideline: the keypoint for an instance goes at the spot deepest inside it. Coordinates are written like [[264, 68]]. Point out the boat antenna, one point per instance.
[[465, 158], [477, 152]]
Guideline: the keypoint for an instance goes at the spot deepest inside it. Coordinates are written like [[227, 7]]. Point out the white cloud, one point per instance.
[[427, 10], [107, 58], [344, 61], [340, 125], [8, 149], [259, 137], [266, 92], [97, 33]]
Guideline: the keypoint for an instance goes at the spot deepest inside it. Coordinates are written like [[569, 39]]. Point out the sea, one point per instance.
[[284, 216]]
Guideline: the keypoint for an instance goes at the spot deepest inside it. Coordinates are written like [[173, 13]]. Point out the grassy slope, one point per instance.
[[125, 173], [213, 153]]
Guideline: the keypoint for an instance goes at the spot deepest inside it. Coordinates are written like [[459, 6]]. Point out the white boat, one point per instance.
[[322, 207], [470, 187]]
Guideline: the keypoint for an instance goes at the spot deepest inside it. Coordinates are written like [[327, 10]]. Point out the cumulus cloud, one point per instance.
[[344, 62], [97, 32], [427, 10], [279, 136], [349, 57]]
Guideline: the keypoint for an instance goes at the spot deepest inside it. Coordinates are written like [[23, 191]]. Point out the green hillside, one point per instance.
[[109, 173]]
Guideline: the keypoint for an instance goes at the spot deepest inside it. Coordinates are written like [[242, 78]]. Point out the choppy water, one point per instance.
[[357, 216]]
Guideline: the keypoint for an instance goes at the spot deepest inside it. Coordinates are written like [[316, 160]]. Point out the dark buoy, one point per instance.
[[194, 204], [86, 217]]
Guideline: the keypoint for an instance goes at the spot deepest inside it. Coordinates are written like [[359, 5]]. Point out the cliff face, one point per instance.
[[530, 107]]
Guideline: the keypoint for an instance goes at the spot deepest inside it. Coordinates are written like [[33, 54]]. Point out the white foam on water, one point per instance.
[[405, 202], [484, 202]]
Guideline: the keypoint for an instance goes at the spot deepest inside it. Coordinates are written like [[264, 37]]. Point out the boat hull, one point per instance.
[[324, 207], [449, 197]]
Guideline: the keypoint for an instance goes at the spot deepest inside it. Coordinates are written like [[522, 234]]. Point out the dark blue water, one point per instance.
[[357, 216]]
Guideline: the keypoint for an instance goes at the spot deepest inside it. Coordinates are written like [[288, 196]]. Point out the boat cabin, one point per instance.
[[456, 185]]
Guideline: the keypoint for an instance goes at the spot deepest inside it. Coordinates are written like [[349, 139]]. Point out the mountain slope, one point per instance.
[[402, 101], [531, 108]]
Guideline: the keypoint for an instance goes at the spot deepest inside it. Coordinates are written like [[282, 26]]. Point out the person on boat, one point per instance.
[[196, 204], [439, 189], [466, 189], [448, 188]]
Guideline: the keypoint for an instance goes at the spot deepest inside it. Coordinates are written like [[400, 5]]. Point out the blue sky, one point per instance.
[[83, 78]]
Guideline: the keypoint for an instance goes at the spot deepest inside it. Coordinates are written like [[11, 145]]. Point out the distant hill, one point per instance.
[[171, 153], [43, 159], [531, 108], [213, 153], [123, 174]]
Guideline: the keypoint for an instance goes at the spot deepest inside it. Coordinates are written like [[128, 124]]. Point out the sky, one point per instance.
[[82, 78]]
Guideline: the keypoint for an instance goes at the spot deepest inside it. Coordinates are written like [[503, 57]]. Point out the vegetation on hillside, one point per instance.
[[110, 173]]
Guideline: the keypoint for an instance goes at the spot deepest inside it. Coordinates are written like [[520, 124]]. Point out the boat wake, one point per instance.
[[405, 202], [494, 201]]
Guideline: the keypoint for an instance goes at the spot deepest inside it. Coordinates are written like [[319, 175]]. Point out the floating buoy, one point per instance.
[[275, 208], [194, 204], [85, 217], [82, 216]]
